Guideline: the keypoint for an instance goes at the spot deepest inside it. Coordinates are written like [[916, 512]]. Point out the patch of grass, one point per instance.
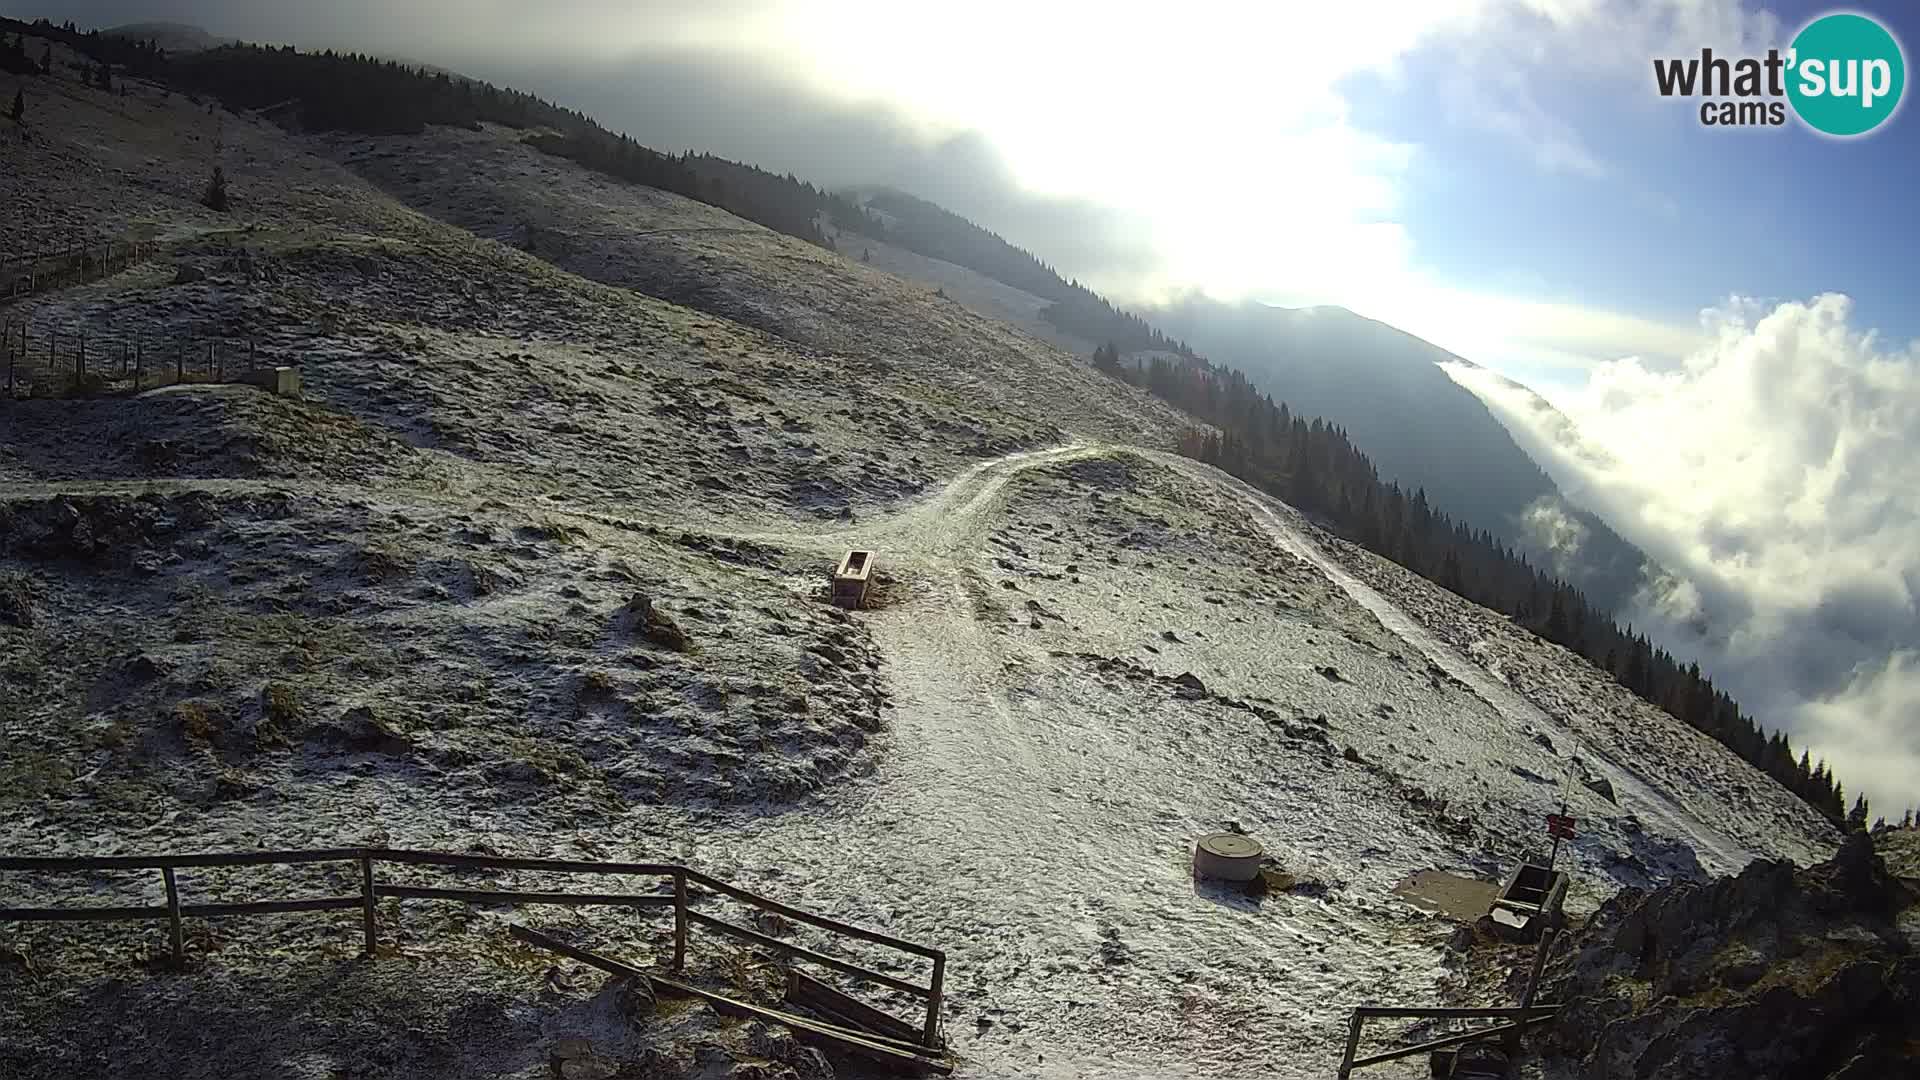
[[196, 721], [280, 713], [383, 562]]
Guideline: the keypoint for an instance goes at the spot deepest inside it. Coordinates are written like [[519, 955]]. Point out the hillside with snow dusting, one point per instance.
[[400, 612]]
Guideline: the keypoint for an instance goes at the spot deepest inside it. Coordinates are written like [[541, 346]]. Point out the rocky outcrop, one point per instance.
[[1775, 973]]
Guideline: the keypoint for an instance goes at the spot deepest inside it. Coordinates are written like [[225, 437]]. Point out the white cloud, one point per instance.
[[1775, 472]]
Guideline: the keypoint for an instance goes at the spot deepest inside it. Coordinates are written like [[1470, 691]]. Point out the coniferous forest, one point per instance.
[[329, 91], [1306, 462], [1311, 465]]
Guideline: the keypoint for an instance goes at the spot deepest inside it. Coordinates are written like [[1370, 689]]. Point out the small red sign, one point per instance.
[[1560, 826]]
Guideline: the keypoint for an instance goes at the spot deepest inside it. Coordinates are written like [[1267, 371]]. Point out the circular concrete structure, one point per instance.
[[1227, 856]]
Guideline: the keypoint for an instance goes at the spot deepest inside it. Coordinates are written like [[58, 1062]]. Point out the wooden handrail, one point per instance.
[[679, 899]]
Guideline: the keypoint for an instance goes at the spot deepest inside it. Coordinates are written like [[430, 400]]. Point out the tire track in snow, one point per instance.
[[1716, 852]]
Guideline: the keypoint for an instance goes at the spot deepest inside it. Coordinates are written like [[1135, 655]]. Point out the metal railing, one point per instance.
[[371, 890], [1519, 1017]]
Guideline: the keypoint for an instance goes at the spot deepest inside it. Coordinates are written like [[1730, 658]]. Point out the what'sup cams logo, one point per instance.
[[1842, 76]]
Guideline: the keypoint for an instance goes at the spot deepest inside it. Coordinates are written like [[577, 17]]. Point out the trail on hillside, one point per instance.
[[1046, 849], [1039, 828], [1716, 852]]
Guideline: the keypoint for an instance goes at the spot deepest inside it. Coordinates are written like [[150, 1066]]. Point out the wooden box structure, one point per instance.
[[851, 578], [1534, 893]]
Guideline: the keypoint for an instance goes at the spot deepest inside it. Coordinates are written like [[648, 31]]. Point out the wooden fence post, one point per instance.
[[179, 362], [679, 920], [930, 1038], [173, 917], [368, 916], [138, 354]]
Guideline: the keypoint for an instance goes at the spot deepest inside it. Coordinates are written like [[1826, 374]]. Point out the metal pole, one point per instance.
[[1353, 1045], [173, 917], [1547, 939], [368, 917]]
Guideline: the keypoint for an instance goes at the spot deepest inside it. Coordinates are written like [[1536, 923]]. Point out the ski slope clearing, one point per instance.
[[1091, 655], [402, 612]]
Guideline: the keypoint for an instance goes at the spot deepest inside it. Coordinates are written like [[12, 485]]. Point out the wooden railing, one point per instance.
[[372, 890], [30, 272]]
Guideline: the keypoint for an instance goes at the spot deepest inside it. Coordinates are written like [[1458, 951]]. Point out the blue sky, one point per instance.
[[1668, 216]]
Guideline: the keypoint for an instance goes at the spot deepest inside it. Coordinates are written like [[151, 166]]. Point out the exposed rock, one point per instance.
[[361, 729], [1776, 973], [1190, 681], [655, 625], [1602, 787], [187, 274]]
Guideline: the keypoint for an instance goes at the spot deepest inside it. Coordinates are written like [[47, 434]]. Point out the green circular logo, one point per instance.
[[1845, 74]]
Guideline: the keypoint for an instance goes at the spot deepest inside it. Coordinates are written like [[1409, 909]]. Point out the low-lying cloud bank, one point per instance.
[[1776, 472]]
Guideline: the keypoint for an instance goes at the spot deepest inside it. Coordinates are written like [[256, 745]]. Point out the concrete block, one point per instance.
[[279, 381]]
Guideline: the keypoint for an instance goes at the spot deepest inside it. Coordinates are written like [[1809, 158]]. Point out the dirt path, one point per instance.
[[1039, 827], [1716, 852]]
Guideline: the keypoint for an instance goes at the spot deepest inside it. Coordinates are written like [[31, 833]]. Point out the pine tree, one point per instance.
[[216, 196], [46, 60], [19, 111], [1857, 817]]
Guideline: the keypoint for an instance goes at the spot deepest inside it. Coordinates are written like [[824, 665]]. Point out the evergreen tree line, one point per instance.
[[352, 92], [112, 51], [331, 91], [1313, 466], [937, 233]]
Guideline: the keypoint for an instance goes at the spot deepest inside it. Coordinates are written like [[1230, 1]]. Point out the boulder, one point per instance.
[[1775, 973], [361, 729], [655, 625]]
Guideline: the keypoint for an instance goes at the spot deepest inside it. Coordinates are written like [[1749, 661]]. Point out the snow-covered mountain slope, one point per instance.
[[399, 612]]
